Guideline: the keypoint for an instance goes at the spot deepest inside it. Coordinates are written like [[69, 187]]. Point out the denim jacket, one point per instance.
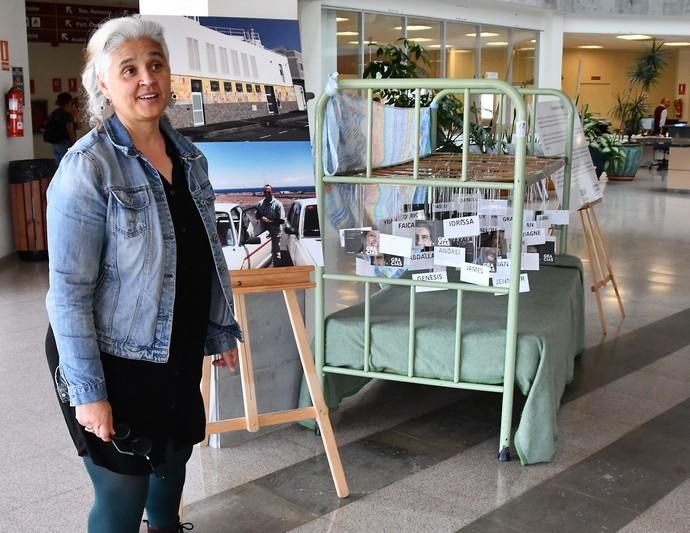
[[112, 253]]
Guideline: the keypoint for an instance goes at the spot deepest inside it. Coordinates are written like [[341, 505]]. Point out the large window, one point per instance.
[[347, 35], [427, 34], [460, 50], [455, 49]]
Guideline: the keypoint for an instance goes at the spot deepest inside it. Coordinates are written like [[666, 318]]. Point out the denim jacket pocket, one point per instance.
[[61, 386], [131, 210]]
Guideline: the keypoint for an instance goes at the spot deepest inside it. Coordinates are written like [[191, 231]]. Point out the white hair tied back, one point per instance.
[[104, 41]]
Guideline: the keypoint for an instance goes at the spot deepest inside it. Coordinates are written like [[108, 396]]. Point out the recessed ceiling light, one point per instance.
[[633, 37], [365, 42], [482, 34], [439, 46], [533, 40], [341, 19], [346, 33], [462, 51], [590, 46], [526, 48], [497, 43], [420, 39], [413, 27], [680, 43]]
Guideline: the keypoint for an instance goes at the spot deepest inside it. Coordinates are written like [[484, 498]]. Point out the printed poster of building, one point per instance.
[[239, 96]]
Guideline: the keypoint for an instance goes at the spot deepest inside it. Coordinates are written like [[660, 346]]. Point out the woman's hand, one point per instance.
[[227, 359], [97, 418]]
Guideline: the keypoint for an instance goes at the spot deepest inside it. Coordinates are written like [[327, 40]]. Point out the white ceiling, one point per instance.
[[573, 40]]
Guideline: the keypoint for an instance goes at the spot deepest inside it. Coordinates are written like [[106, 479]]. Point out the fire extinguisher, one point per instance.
[[14, 103], [678, 106]]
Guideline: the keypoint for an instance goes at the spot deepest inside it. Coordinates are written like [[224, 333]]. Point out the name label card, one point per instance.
[[532, 237], [421, 261], [557, 216], [440, 277], [443, 207], [493, 207], [476, 274], [403, 228], [449, 256], [411, 215], [504, 282], [461, 227], [467, 203]]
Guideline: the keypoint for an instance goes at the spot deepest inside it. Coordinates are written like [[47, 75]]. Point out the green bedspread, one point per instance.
[[550, 335]]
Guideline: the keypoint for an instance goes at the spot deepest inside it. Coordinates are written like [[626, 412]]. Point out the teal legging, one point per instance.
[[120, 499]]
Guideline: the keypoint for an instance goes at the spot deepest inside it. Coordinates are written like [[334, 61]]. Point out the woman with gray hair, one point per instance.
[[139, 288]]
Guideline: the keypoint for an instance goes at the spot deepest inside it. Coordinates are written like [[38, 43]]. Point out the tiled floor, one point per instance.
[[623, 448]]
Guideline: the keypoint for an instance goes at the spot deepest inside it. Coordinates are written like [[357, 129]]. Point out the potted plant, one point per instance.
[[408, 60], [606, 149], [631, 106]]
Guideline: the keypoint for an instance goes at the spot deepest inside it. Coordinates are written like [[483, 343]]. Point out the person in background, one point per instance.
[[269, 212], [139, 288], [660, 115], [61, 130]]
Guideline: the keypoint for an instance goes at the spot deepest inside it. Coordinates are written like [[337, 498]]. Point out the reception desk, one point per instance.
[[678, 176]]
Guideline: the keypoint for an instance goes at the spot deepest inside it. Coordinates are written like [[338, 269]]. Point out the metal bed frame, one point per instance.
[[517, 185]]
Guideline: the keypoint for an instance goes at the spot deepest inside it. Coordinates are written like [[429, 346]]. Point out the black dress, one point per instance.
[[160, 401]]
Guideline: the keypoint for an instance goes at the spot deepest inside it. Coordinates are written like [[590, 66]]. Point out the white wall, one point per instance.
[[47, 62], [13, 30]]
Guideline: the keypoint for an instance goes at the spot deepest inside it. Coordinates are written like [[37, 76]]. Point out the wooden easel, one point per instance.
[[599, 262], [287, 280]]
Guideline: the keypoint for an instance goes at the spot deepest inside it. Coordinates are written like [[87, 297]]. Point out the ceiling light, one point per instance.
[[680, 43], [365, 42], [533, 40], [341, 19], [346, 33], [633, 37], [482, 34], [420, 39], [526, 48], [462, 51], [413, 27], [439, 46], [497, 43], [590, 46]]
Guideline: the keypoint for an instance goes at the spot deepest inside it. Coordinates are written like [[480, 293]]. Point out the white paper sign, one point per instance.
[[504, 281], [421, 261], [411, 215], [443, 207], [461, 227], [557, 216], [477, 274], [551, 125], [440, 277], [492, 207], [403, 228], [502, 266], [467, 203], [534, 236], [394, 245], [529, 261], [449, 256]]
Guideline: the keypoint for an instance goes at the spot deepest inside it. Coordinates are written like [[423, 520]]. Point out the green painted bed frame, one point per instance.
[[445, 87]]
